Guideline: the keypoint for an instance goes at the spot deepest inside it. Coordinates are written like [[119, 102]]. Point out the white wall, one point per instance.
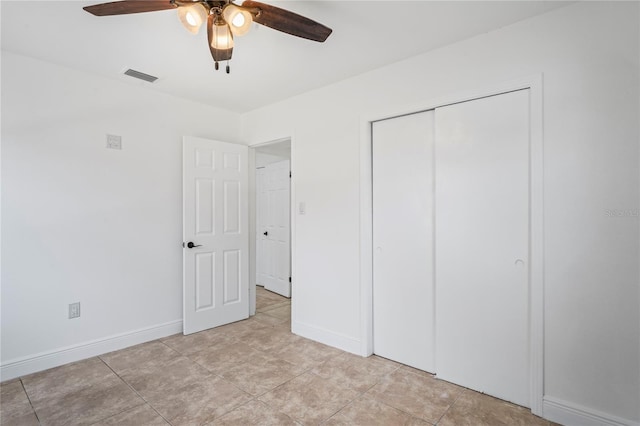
[[84, 223], [588, 53]]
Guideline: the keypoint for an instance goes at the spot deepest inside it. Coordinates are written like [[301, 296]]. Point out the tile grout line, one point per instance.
[[35, 413], [360, 394], [449, 407], [379, 380], [272, 316], [308, 370], [257, 396], [410, 371], [253, 398], [400, 367], [215, 375], [135, 391], [273, 307]]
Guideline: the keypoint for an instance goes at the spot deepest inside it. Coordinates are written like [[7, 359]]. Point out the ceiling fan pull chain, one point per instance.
[[228, 68], [217, 65]]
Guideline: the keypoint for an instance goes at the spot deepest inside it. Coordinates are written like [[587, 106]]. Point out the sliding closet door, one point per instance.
[[482, 243], [403, 239]]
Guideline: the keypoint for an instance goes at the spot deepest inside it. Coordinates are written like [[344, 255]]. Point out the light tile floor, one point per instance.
[[253, 372]]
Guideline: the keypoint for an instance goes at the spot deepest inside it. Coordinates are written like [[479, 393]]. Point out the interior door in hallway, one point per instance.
[[275, 232], [215, 234], [482, 245], [262, 254], [403, 298]]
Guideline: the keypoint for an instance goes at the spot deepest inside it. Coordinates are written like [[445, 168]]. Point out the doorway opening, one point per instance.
[[270, 219]]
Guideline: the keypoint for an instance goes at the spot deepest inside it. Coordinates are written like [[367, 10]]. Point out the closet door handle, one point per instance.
[[265, 233], [191, 245]]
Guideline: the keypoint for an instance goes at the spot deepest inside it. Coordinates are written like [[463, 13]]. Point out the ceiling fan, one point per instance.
[[224, 20]]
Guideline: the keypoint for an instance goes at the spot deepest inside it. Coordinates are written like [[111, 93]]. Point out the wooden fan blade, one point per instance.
[[217, 54], [125, 7], [287, 22]]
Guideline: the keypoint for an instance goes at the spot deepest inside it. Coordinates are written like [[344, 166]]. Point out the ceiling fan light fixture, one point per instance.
[[192, 17], [225, 20], [222, 38], [239, 19]]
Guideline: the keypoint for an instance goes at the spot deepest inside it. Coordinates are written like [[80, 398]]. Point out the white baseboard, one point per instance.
[[45, 360], [569, 414], [327, 337]]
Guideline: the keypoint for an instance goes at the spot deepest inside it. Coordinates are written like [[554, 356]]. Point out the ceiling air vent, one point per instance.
[[140, 75]]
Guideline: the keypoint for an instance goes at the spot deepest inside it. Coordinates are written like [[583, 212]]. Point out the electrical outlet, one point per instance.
[[74, 310], [114, 142]]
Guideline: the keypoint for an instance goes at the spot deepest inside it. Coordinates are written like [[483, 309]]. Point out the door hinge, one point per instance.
[[289, 279], [289, 174]]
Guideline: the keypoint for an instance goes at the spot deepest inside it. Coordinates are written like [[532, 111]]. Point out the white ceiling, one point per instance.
[[267, 66]]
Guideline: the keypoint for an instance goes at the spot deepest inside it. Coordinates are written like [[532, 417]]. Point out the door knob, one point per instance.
[[191, 245], [265, 233]]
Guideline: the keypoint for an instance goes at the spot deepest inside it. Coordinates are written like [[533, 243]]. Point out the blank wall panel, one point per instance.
[[403, 299]]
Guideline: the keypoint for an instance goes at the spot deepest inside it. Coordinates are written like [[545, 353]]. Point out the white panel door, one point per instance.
[[261, 208], [403, 298], [215, 231], [276, 231], [482, 245]]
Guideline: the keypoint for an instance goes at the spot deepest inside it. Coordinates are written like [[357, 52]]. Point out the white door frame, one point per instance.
[[252, 220], [536, 226]]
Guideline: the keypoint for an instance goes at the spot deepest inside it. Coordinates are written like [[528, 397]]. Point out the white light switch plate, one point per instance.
[[74, 310], [302, 208]]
